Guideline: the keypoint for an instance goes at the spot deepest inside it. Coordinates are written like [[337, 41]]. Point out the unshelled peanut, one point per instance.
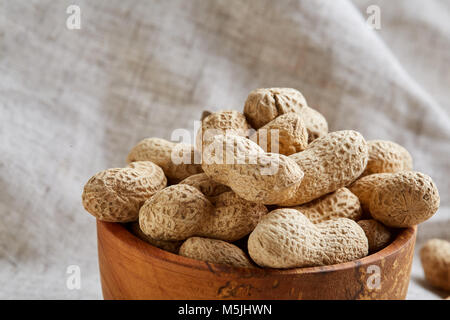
[[285, 238], [182, 211], [387, 157], [205, 184], [435, 258], [377, 234], [286, 133], [215, 251], [264, 105], [222, 122], [249, 171], [400, 200], [338, 204], [178, 160], [116, 195], [329, 163]]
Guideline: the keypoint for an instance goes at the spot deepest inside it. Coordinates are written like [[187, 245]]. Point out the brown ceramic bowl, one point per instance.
[[133, 269]]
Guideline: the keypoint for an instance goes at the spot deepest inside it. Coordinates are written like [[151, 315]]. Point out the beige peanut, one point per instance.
[[364, 187], [205, 184], [170, 246], [339, 204], [264, 105], [249, 171], [285, 134], [435, 258], [387, 157], [215, 251], [329, 163], [400, 200], [222, 122], [116, 195], [178, 160], [377, 234], [285, 238], [182, 211]]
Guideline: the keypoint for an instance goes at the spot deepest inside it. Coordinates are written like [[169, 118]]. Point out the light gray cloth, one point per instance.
[[73, 102]]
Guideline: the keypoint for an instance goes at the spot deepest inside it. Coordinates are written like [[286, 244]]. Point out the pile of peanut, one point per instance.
[[323, 198]]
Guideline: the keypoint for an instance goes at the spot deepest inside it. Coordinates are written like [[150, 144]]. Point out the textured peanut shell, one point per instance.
[[215, 251], [264, 105], [329, 163], [285, 238], [222, 122], [338, 204], [171, 246], [285, 134], [387, 156], [363, 188], [315, 122], [377, 234], [116, 195], [160, 152], [205, 184], [182, 211], [233, 217], [400, 200], [435, 259], [174, 213], [268, 179]]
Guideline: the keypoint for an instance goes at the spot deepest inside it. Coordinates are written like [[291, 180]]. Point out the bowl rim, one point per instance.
[[140, 247]]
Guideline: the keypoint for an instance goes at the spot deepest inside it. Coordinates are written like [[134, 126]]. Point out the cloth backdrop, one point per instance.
[[74, 102]]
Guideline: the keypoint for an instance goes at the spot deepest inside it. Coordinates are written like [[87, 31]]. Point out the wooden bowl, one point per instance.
[[133, 269]]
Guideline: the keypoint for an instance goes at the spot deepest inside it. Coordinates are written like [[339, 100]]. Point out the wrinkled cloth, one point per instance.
[[74, 102]]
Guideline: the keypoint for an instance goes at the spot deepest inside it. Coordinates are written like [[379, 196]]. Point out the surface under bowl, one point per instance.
[[133, 269]]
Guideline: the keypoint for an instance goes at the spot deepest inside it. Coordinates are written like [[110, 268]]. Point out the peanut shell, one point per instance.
[[435, 258], [285, 238], [329, 163], [116, 195], [215, 251]]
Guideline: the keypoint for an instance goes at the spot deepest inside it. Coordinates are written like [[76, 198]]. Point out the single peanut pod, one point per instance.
[[215, 251], [222, 122], [363, 189], [205, 184], [116, 195], [329, 163], [178, 160], [233, 217], [338, 204], [435, 259], [264, 105], [253, 174], [174, 213], [182, 211], [387, 157], [377, 234], [285, 134], [400, 200], [285, 238], [170, 246]]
